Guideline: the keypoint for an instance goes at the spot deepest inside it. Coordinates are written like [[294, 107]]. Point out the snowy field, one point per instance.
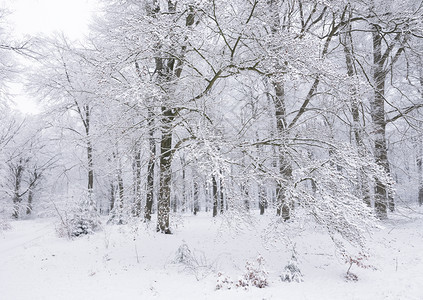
[[134, 262]]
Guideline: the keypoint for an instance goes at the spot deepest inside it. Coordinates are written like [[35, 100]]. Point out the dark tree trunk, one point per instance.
[[245, 195], [30, 199], [215, 195], [196, 200], [112, 196], [222, 205], [262, 199]]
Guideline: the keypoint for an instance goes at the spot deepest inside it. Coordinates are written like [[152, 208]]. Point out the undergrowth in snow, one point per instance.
[[200, 261]]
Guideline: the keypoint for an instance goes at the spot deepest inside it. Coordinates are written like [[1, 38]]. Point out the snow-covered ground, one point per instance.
[[134, 262]]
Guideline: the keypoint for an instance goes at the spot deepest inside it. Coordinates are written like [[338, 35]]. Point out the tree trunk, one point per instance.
[[262, 199], [137, 190], [355, 112], [90, 181], [420, 146], [196, 200], [18, 172], [215, 195], [150, 167], [285, 169], [245, 195], [379, 125], [419, 163], [121, 192], [168, 69], [30, 198], [184, 196], [163, 208], [112, 196], [222, 205]]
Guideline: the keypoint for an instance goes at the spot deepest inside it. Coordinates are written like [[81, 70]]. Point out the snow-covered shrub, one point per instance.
[[224, 282], [357, 260], [291, 272], [255, 274], [194, 262], [81, 225], [81, 219]]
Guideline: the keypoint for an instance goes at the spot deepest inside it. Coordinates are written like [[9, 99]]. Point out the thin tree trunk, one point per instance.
[[245, 195], [150, 167], [184, 196], [196, 194], [419, 162], [222, 205], [90, 181], [121, 192], [137, 190], [262, 199], [215, 195], [112, 196]]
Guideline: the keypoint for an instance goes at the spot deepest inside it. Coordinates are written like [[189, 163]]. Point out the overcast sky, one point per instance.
[[46, 16], [31, 17]]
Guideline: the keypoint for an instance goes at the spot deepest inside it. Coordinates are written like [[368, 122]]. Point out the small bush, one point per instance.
[[80, 220], [291, 272], [255, 275], [194, 262], [223, 282], [355, 260]]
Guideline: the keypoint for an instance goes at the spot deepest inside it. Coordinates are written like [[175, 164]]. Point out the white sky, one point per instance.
[[31, 17], [46, 16]]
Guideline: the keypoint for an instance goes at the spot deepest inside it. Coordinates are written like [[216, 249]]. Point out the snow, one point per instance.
[[135, 262]]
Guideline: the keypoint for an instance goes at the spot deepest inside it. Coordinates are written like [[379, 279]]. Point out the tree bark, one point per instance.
[[168, 70], [196, 200], [18, 173], [262, 199], [420, 146], [163, 208], [150, 167], [137, 182], [379, 124], [355, 112], [90, 175], [215, 195]]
